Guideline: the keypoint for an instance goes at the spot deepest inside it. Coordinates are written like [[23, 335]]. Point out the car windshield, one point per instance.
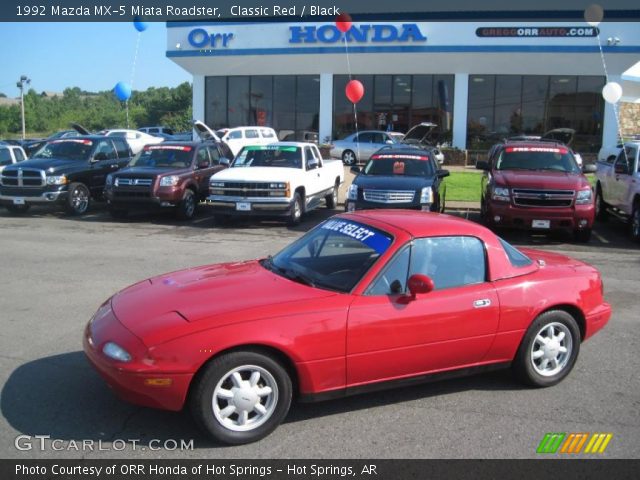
[[165, 156], [403, 165], [69, 149], [557, 159], [269, 156], [334, 256]]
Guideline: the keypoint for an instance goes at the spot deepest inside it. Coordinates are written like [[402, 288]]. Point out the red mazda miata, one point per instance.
[[362, 301]]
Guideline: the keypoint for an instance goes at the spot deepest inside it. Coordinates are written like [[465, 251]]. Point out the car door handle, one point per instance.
[[482, 303]]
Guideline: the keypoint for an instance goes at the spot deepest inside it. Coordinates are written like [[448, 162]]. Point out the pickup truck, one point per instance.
[[536, 185], [68, 172], [618, 187], [10, 154], [283, 179]]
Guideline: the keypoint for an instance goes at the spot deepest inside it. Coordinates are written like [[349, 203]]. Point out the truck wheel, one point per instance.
[[118, 213], [601, 206], [582, 236], [297, 209], [186, 209], [241, 397], [332, 198], [18, 209], [548, 350], [635, 223], [443, 200], [348, 157], [79, 199]]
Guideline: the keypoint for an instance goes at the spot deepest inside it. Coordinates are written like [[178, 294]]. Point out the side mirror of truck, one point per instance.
[[589, 168], [224, 161], [355, 170], [442, 173], [99, 157], [203, 164], [482, 165]]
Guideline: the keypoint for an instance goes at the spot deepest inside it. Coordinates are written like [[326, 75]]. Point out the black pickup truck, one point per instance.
[[68, 172], [398, 177]]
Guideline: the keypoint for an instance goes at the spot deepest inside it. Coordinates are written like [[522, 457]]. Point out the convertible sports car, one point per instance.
[[363, 301]]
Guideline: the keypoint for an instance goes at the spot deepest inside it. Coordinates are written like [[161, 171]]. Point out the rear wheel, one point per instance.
[[601, 206], [635, 223], [18, 209], [79, 199], [332, 198], [582, 236], [186, 209], [297, 209], [348, 157]]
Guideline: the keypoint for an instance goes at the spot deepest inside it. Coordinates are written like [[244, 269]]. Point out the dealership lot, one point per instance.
[[56, 270]]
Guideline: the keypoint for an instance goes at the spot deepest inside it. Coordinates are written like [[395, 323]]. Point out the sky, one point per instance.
[[92, 56]]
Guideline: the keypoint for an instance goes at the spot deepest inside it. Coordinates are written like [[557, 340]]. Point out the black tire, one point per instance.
[[634, 223], [332, 198], [78, 199], [118, 213], [18, 209], [186, 209], [297, 210], [523, 364], [601, 206], [217, 371], [349, 158], [582, 236]]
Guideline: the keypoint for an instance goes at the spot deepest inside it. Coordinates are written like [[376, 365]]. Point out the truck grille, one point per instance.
[[137, 182], [543, 198], [23, 177], [389, 196], [245, 189]]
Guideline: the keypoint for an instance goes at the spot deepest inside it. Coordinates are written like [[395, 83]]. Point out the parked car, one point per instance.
[[358, 147], [284, 179], [68, 172], [32, 145], [362, 302], [564, 136], [398, 177], [300, 136], [157, 129], [10, 154], [171, 175], [136, 140], [537, 186], [618, 188], [240, 137]]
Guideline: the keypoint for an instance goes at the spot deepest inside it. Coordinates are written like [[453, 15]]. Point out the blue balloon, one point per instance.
[[140, 26], [122, 91]]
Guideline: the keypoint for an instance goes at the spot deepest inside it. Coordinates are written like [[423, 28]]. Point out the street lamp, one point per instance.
[[24, 80]]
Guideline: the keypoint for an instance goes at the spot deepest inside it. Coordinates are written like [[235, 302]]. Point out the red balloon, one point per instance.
[[354, 91], [343, 22]]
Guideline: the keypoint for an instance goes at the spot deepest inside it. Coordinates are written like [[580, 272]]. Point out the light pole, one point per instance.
[[24, 80]]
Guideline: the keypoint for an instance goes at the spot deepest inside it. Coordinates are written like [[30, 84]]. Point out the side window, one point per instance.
[[266, 133], [226, 151], [153, 130], [18, 154], [5, 157], [105, 150], [365, 138], [311, 162], [251, 133], [235, 134], [122, 149], [393, 279], [625, 159], [449, 261], [214, 154], [316, 153], [203, 156], [379, 138]]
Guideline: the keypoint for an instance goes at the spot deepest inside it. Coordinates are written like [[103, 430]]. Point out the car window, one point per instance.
[[379, 138], [215, 155], [161, 156], [515, 256], [251, 133], [168, 131], [399, 164], [449, 261], [269, 156], [153, 130], [18, 154], [393, 279], [5, 157], [624, 158], [266, 133], [310, 158], [235, 134], [203, 156], [122, 148], [226, 151], [558, 159], [105, 147], [366, 137]]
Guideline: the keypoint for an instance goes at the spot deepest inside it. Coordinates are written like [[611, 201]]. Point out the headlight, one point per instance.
[[213, 184], [352, 193], [426, 195], [278, 185], [169, 181], [56, 180], [500, 193], [584, 197], [109, 180], [116, 352]]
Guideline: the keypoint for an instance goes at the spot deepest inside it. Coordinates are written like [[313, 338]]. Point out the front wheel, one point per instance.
[[332, 198], [348, 158], [635, 223], [601, 206], [241, 397], [548, 350], [79, 199], [186, 209], [295, 216]]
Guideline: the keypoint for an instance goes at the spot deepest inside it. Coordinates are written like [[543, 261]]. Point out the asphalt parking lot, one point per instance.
[[56, 270]]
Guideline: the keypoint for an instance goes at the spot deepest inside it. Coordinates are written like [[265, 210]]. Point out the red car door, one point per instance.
[[390, 336]]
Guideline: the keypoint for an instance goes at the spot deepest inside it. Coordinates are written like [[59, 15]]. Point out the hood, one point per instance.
[[392, 182], [419, 133], [540, 180], [48, 163], [185, 301], [147, 172], [80, 129], [564, 135], [263, 174], [204, 132]]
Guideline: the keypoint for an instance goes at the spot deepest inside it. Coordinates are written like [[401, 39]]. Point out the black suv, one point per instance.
[[398, 177], [69, 172]]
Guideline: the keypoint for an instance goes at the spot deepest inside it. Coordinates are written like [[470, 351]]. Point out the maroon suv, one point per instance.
[[536, 186]]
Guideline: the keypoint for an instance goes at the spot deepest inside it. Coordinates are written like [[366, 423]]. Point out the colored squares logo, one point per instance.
[[573, 443]]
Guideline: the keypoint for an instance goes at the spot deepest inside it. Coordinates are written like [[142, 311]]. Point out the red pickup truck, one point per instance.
[[538, 186]]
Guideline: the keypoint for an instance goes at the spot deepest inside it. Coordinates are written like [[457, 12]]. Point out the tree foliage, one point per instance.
[[96, 111]]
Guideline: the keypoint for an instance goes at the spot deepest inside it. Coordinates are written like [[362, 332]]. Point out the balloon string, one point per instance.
[[606, 76], [133, 74], [355, 108]]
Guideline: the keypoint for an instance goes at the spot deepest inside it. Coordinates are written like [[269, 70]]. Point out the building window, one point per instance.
[[290, 104], [504, 105], [395, 103]]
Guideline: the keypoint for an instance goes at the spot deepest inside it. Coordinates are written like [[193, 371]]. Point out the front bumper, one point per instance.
[[267, 207], [32, 196], [132, 199], [579, 217]]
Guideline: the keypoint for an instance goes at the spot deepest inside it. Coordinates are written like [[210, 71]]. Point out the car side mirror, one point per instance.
[[621, 168], [225, 161], [482, 165], [203, 164], [442, 173], [419, 284], [589, 168], [355, 170], [99, 157], [388, 142]]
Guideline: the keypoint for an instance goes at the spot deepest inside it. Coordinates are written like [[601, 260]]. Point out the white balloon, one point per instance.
[[612, 92], [594, 14]]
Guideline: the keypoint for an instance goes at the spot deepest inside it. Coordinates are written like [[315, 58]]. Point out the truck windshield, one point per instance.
[[404, 165], [269, 156], [335, 255], [166, 156], [537, 158], [69, 149]]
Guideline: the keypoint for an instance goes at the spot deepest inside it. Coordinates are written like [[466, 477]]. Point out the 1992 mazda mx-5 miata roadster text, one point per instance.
[[363, 301]]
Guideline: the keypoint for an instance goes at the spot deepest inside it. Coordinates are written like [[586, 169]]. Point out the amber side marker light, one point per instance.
[[158, 382]]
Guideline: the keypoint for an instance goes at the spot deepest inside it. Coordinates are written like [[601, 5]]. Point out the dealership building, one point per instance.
[[478, 81]]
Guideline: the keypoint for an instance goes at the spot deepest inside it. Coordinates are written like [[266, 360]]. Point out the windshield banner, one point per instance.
[[373, 239]]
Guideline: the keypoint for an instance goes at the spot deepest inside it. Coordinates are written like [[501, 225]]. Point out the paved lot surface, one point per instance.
[[55, 271]]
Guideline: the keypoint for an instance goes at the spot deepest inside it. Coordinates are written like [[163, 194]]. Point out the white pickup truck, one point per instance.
[[618, 187], [10, 154], [284, 179]]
